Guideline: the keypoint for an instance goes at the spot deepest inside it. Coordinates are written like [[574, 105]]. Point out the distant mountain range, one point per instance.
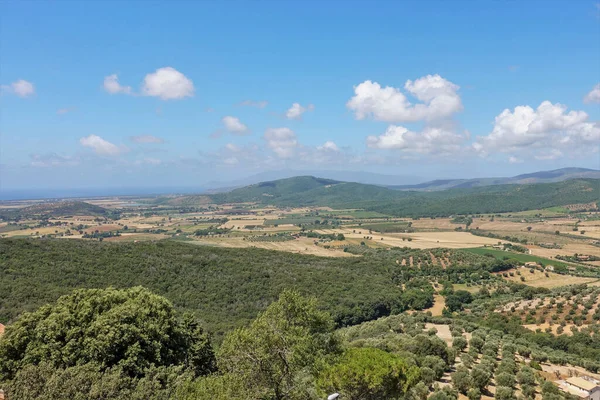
[[557, 175], [406, 182], [305, 191]]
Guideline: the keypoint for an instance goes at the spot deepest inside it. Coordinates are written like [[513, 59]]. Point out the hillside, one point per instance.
[[553, 176], [56, 209], [310, 191], [224, 287], [272, 191]]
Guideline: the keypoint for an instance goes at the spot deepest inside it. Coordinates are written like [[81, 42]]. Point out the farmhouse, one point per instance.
[[583, 387]]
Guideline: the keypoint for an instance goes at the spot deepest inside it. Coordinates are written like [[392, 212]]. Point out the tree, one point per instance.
[[474, 394], [525, 376], [369, 374], [457, 300], [459, 343], [505, 379], [504, 393], [132, 329], [476, 343], [461, 379], [436, 364], [481, 377], [290, 338]]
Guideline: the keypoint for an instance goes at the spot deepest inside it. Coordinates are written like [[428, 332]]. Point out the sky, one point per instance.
[[101, 94]]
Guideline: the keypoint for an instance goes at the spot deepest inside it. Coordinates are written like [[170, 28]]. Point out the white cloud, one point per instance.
[[143, 139], [101, 146], [112, 85], [232, 147], [167, 83], [252, 103], [234, 125], [52, 160], [593, 96], [550, 155], [231, 161], [514, 160], [328, 146], [436, 141], [549, 126], [296, 111], [282, 141], [439, 100], [21, 88]]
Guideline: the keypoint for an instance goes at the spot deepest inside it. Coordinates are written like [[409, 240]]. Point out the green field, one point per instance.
[[356, 214], [517, 256], [386, 227]]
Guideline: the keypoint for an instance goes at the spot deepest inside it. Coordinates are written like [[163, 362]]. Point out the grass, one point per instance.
[[500, 254], [357, 214]]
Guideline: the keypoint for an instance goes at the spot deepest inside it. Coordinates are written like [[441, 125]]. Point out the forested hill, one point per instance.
[[310, 191], [557, 175], [56, 209], [268, 192]]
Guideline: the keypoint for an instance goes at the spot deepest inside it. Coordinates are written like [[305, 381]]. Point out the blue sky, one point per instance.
[[139, 94]]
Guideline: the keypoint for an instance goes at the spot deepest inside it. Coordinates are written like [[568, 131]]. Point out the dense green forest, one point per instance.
[[96, 344], [223, 287], [305, 191]]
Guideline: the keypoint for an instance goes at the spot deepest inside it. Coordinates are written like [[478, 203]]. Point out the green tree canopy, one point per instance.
[[369, 374], [289, 340], [132, 329]]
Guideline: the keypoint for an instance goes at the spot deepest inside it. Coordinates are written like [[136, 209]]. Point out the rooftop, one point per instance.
[[582, 383]]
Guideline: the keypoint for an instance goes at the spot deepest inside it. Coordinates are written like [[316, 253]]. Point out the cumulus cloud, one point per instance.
[[439, 99], [514, 160], [549, 126], [21, 88], [282, 141], [168, 84], [232, 147], [252, 103], [101, 146], [593, 96], [144, 139], [328, 146], [435, 141], [296, 111], [234, 125], [112, 85], [52, 160]]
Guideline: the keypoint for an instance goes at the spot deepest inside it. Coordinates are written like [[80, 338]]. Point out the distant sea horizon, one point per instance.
[[67, 193]]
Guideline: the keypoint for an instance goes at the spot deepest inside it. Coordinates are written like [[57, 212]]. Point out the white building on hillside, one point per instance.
[[583, 387]]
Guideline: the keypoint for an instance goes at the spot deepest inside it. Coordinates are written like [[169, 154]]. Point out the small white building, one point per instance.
[[583, 387]]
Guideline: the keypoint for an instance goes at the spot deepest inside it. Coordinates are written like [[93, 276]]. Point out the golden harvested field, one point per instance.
[[103, 228], [301, 245], [47, 230], [420, 240], [539, 279], [241, 223], [567, 250], [132, 237]]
